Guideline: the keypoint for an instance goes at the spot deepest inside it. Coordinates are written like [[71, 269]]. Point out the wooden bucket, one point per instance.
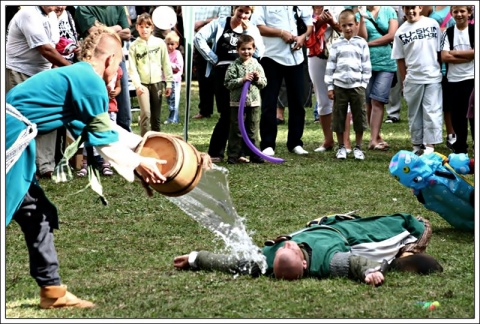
[[183, 169]]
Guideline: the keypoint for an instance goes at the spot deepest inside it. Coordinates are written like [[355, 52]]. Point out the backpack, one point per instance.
[[437, 186], [471, 35], [316, 43]]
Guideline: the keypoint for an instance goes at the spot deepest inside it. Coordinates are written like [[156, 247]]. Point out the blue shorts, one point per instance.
[[379, 86]]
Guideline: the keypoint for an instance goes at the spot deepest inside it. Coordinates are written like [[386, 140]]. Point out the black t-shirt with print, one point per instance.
[[227, 44]]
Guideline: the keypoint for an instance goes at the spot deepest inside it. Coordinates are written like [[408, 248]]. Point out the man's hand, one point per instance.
[[181, 262], [375, 278], [168, 92]]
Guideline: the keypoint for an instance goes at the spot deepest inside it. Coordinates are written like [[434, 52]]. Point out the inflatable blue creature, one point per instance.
[[438, 184]]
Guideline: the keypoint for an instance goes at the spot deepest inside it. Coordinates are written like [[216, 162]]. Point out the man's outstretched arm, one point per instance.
[[205, 260], [357, 268]]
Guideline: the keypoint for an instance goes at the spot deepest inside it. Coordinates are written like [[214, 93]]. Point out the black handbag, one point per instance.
[[301, 27]]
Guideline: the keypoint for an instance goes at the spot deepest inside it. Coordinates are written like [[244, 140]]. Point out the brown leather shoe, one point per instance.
[[58, 297]]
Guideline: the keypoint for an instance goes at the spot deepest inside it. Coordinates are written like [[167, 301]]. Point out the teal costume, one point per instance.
[[69, 96], [439, 185]]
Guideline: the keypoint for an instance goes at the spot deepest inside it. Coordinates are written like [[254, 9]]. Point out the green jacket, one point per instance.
[[148, 61], [335, 247], [234, 82], [85, 17]]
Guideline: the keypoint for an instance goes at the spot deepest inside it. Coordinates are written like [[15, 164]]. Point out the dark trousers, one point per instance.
[[37, 218], [294, 82], [236, 143], [458, 95], [219, 138], [205, 87], [124, 115]]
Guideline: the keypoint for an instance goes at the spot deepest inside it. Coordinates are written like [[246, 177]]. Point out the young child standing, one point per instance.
[[416, 47], [244, 68], [347, 75], [459, 54], [176, 61], [148, 66], [113, 89]]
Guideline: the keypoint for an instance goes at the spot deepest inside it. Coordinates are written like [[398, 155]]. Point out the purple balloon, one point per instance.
[[241, 125]]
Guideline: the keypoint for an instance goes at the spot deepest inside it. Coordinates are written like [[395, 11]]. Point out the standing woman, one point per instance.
[[223, 32], [325, 24], [378, 25]]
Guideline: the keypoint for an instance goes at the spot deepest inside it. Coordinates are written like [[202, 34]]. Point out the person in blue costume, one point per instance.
[[438, 183], [362, 249], [74, 96]]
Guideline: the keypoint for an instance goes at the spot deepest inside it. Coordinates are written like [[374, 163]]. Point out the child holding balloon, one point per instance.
[[244, 68]]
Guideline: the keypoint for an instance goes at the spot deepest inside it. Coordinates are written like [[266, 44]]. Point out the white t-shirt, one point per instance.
[[419, 44], [461, 41], [281, 17], [28, 29]]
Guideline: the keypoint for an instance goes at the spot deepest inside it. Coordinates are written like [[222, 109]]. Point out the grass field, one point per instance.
[[121, 256]]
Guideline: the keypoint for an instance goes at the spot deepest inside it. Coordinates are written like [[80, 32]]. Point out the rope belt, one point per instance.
[[23, 140]]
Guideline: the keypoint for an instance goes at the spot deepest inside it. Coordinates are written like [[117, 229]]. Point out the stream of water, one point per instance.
[[210, 204]]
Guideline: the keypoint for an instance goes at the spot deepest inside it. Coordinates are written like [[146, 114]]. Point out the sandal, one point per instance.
[[106, 170], [379, 147], [82, 172]]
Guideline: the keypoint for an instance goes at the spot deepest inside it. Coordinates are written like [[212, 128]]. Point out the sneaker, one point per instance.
[[269, 151], [392, 120], [166, 122], [418, 149], [342, 153], [299, 150], [428, 150], [316, 121], [358, 153], [199, 116], [451, 139]]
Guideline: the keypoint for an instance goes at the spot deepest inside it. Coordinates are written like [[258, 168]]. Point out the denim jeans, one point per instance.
[[174, 103]]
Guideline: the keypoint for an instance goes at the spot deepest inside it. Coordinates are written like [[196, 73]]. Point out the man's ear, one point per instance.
[[304, 264]]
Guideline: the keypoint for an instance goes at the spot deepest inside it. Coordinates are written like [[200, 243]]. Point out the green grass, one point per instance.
[[121, 256]]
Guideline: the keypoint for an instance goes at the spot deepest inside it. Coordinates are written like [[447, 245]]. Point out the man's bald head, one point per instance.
[[287, 267], [289, 262]]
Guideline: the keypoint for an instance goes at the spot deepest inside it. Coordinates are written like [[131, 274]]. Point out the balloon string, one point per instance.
[[241, 125]]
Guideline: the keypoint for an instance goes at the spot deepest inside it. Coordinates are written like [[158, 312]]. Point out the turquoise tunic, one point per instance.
[[341, 236], [69, 96], [380, 56]]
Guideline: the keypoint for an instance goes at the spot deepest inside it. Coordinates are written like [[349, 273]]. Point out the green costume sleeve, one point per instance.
[[225, 263], [345, 264]]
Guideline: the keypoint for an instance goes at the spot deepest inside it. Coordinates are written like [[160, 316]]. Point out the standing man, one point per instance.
[[114, 17], [203, 15], [283, 59], [30, 49]]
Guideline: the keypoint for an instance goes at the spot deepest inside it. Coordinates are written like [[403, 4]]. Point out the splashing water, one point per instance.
[[210, 204]]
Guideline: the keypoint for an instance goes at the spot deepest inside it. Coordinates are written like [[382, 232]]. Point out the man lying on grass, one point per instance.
[[339, 245]]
